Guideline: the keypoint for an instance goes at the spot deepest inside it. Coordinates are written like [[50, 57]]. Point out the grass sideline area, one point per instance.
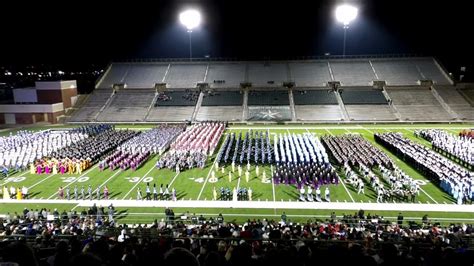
[[194, 184]]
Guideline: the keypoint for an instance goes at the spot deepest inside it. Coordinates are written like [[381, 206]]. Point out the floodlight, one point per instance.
[[190, 18], [346, 13]]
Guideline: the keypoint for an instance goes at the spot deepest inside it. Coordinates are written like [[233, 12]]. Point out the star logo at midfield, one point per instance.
[[269, 114]]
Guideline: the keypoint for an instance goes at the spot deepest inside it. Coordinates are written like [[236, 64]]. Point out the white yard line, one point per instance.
[[422, 190], [366, 129], [238, 184], [108, 179], [139, 181], [344, 185], [207, 177], [41, 181], [172, 180], [85, 173], [330, 133], [273, 189]]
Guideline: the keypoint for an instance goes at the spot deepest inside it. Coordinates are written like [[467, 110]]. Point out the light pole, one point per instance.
[[345, 14], [190, 19]]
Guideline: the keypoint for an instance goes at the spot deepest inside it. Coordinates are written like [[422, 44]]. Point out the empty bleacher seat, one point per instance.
[[222, 98], [185, 75], [310, 74], [226, 75], [261, 74], [268, 98], [314, 97], [362, 96], [353, 73]]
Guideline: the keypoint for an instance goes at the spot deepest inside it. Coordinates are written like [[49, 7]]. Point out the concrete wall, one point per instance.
[[56, 85], [31, 108], [49, 96], [67, 95]]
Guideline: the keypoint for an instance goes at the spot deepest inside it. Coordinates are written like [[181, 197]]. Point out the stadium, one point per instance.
[[191, 142]]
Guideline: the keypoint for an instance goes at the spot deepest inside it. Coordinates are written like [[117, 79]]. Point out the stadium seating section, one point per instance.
[[362, 96], [268, 98], [403, 97], [314, 97]]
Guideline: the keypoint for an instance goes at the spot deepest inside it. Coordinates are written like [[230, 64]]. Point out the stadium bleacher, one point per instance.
[[185, 75], [353, 73], [417, 103], [274, 97], [228, 75], [145, 75], [267, 74], [177, 98], [309, 74], [219, 113], [170, 113], [222, 98], [362, 95], [312, 98], [115, 74], [456, 101], [318, 112], [92, 106], [372, 112], [120, 108]]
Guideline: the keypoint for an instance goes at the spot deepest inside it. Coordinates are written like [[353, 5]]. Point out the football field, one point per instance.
[[196, 184]]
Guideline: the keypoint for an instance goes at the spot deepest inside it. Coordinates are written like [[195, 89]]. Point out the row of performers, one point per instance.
[[317, 174], [14, 193], [63, 166], [124, 161]]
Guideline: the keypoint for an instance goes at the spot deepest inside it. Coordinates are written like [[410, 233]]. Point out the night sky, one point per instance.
[[94, 32]]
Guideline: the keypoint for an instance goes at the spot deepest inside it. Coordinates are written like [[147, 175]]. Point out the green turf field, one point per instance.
[[194, 184]]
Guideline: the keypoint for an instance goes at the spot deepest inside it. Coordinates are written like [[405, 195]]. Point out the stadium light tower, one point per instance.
[[190, 19], [345, 14]]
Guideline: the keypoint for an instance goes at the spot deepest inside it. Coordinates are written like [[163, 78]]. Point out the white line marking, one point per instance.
[[330, 133], [174, 178], [273, 188], [41, 181], [105, 182], [139, 181], [207, 177], [422, 190], [342, 182]]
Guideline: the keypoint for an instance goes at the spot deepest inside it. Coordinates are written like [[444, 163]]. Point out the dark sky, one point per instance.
[[99, 31]]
